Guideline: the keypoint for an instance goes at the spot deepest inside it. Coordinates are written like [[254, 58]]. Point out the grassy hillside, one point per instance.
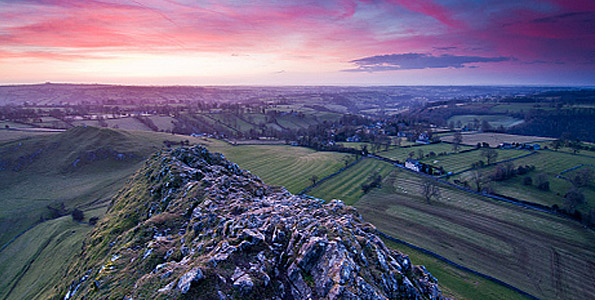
[[40, 171], [347, 185], [288, 166]]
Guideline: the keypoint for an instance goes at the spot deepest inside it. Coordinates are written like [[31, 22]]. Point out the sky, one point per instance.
[[340, 42]]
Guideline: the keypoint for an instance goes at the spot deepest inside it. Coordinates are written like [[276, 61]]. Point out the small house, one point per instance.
[[413, 164]]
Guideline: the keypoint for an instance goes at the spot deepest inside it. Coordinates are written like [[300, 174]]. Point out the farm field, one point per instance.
[[494, 120], [494, 139], [461, 161], [455, 283], [283, 165], [401, 154], [164, 123], [11, 135], [347, 185], [518, 107], [542, 254], [128, 123], [551, 164]]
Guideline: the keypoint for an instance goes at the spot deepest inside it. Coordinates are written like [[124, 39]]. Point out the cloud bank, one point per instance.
[[416, 61]]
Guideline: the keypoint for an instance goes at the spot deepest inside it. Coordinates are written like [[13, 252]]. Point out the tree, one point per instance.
[[78, 215], [398, 142], [527, 180], [478, 179], [557, 144], [583, 177], [542, 183], [314, 179], [490, 154], [429, 189], [420, 154], [456, 141], [573, 198], [346, 160], [485, 126]]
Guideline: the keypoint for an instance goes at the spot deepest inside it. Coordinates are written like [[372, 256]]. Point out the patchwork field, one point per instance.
[[461, 161], [347, 186], [550, 163], [547, 256], [291, 167], [401, 154], [494, 120], [494, 139], [455, 283]]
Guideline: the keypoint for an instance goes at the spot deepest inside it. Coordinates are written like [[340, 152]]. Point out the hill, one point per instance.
[[42, 179], [191, 224]]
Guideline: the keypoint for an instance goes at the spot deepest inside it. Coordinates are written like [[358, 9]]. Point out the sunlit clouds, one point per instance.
[[298, 42]]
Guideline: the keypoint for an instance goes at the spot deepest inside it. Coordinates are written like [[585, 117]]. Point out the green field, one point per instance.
[[551, 164], [461, 161], [495, 139], [283, 165], [347, 185], [518, 107], [494, 120], [527, 249], [455, 283], [401, 154]]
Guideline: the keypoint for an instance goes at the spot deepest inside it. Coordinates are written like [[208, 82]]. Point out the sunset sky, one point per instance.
[[343, 42]]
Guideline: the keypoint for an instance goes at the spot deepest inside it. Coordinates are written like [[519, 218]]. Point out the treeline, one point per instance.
[[575, 123]]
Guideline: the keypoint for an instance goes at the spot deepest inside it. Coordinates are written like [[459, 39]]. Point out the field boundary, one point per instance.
[[454, 264], [351, 164], [514, 201], [494, 164]]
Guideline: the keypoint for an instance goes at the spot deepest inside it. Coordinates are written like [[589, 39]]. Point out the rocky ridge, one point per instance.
[[192, 225]]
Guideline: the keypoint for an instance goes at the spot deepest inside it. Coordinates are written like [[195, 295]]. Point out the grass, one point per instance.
[[518, 107], [401, 154], [551, 164], [495, 139], [453, 282], [30, 262], [494, 120], [29, 265], [13, 135], [539, 253], [461, 161], [283, 165], [347, 185]]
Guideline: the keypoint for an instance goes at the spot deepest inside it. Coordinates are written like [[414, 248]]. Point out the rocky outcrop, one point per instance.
[[192, 225]]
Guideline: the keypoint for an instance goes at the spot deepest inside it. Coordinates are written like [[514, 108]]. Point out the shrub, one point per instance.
[[528, 180], [78, 215]]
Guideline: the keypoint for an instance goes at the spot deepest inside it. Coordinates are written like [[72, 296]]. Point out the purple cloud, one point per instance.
[[415, 61]]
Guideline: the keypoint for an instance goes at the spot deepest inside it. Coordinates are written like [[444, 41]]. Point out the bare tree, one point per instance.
[[478, 179], [314, 179], [429, 189], [457, 140], [490, 154], [583, 177], [573, 198]]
